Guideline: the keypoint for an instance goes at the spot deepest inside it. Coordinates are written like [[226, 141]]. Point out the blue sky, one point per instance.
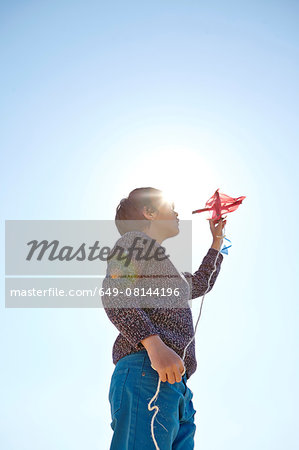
[[98, 98]]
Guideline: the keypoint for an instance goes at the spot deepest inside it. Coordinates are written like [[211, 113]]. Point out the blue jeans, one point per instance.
[[133, 383]]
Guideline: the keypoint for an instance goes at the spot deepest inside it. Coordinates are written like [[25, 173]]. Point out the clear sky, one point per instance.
[[98, 98]]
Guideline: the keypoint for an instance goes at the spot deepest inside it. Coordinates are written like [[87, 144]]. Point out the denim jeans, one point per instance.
[[133, 383]]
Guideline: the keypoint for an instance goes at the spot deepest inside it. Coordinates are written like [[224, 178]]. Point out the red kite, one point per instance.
[[220, 204]]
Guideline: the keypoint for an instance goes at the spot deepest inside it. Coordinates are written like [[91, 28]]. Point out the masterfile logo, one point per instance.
[[53, 263], [67, 253]]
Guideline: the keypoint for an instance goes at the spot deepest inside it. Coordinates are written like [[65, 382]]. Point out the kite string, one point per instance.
[[150, 408]]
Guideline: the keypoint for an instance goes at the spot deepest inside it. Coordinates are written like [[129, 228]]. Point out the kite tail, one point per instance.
[[150, 408]]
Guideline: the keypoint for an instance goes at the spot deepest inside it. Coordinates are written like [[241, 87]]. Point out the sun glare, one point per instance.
[[185, 179], [167, 198]]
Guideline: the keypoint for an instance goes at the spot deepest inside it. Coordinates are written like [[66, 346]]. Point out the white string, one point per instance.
[[150, 408]]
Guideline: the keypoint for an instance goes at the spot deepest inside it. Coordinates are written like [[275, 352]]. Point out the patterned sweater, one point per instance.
[[149, 312]]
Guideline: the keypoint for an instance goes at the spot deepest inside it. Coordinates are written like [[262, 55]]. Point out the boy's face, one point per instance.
[[165, 219]]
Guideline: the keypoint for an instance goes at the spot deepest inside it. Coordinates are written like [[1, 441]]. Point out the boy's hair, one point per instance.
[[129, 213]]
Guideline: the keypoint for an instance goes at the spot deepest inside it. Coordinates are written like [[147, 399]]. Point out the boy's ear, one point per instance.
[[149, 211]]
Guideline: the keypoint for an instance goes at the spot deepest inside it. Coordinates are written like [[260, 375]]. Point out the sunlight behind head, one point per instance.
[[168, 198]]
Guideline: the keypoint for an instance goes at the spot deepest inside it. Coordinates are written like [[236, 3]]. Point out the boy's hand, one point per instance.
[[217, 230], [167, 363]]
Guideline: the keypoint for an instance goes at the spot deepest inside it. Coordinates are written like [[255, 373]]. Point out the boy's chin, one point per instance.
[[176, 232]]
